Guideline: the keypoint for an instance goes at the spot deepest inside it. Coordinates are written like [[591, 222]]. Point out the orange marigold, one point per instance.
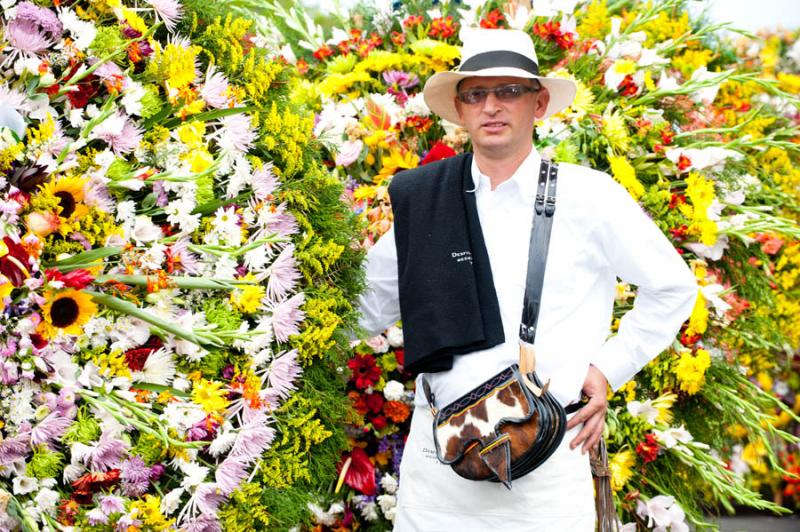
[[397, 411]]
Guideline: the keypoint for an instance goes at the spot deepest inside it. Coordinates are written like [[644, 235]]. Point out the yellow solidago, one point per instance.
[[691, 370], [666, 26], [595, 22], [625, 174], [247, 298], [698, 321], [9, 154], [615, 131], [691, 60], [149, 512], [210, 395], [770, 54], [41, 134], [621, 466]]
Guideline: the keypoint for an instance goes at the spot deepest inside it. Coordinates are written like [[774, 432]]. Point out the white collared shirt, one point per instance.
[[599, 233]]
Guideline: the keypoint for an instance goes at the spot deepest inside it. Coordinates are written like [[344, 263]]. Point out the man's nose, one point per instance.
[[492, 104]]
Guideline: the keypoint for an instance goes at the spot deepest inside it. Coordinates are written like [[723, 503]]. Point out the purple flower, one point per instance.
[[168, 11], [280, 222], [135, 477], [103, 455], [264, 182], [399, 79], [50, 428], [181, 258], [230, 473], [9, 372], [283, 274], [119, 133], [161, 193], [203, 523], [156, 471], [33, 29], [282, 373], [253, 439], [96, 517], [111, 504], [286, 317], [215, 90], [209, 496], [14, 448]]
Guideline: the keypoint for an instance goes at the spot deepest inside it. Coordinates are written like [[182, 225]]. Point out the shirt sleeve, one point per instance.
[[640, 254], [380, 303]]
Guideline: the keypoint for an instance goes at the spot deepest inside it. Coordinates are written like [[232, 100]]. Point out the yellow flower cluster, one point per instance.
[[595, 21], [149, 511], [698, 321], [691, 60], [247, 298], [625, 173], [112, 364], [615, 131], [175, 65], [666, 26], [700, 192], [691, 370]]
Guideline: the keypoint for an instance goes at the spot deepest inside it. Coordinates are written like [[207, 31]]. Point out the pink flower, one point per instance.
[[230, 473], [103, 455], [283, 274], [50, 428], [14, 448], [349, 152], [264, 182], [209, 496], [279, 222], [282, 373], [203, 523], [33, 29], [169, 11], [253, 439], [236, 134], [119, 133], [215, 90], [286, 317]]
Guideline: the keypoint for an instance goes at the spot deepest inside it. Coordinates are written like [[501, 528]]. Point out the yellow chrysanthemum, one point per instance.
[[621, 466], [700, 191], [364, 192], [247, 298], [625, 174], [698, 321], [691, 370], [149, 511], [134, 20], [70, 194], [176, 65], [396, 160], [616, 131], [66, 311], [199, 160], [192, 133], [583, 101], [210, 395], [789, 82]]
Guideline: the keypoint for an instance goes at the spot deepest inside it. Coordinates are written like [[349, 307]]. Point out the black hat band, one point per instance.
[[499, 58]]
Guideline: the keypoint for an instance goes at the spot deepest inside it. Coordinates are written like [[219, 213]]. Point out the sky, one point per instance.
[[746, 14]]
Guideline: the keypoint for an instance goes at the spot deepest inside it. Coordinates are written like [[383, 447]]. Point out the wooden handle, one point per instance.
[[527, 365]]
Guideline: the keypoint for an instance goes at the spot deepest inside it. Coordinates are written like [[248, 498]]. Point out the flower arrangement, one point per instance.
[[175, 269], [708, 146]]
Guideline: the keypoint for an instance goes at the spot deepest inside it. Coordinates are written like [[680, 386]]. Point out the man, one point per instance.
[[454, 268]]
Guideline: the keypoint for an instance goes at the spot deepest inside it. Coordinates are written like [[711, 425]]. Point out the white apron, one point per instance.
[[557, 497]]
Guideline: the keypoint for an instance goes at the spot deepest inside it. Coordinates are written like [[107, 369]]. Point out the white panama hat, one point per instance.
[[491, 52]]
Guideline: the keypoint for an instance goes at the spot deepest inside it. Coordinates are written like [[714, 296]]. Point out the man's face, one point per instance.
[[501, 126]]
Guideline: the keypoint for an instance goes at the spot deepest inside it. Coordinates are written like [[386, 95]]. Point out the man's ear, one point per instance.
[[541, 102]]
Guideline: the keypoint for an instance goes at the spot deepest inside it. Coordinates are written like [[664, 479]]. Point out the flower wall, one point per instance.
[[701, 130], [175, 274]]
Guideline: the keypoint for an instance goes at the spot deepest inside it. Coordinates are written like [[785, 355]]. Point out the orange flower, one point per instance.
[[397, 411]]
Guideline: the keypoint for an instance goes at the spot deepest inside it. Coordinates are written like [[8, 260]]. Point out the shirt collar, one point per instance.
[[525, 178]]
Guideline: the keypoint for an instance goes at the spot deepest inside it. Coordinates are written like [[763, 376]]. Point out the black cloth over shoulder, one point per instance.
[[448, 302]]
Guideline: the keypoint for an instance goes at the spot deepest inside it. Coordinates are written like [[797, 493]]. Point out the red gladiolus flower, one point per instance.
[[360, 474], [438, 152], [323, 53], [628, 87], [551, 31], [443, 27], [365, 372], [77, 279], [648, 449], [412, 20], [684, 162], [399, 39]]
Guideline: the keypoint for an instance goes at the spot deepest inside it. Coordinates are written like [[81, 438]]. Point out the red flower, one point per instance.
[[91, 483], [360, 474], [14, 262], [551, 31], [443, 27], [365, 372], [684, 162], [323, 53], [438, 152], [399, 39], [412, 20], [136, 358], [379, 422], [374, 402], [302, 66], [770, 244], [397, 411], [400, 356], [675, 200], [666, 136], [628, 87], [493, 19], [648, 449], [77, 279]]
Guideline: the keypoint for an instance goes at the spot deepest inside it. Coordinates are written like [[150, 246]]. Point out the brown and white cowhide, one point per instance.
[[457, 435]]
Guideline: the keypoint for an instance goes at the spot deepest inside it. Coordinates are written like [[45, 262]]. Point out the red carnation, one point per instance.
[[365, 372], [136, 358], [438, 152]]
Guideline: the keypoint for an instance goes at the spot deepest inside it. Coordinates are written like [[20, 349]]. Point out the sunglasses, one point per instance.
[[504, 93]]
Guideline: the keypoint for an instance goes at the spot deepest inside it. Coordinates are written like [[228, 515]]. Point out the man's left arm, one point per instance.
[[640, 254]]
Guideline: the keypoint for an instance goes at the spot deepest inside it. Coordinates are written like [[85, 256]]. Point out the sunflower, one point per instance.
[[66, 311], [69, 192]]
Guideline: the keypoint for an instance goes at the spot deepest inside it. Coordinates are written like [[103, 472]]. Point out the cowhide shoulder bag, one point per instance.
[[510, 424]]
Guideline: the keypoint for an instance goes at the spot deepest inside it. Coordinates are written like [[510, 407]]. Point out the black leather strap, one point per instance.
[[544, 208]]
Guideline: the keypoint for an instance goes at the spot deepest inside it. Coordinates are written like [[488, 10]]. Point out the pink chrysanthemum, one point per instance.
[[264, 182], [283, 371], [50, 428], [169, 11], [283, 274], [215, 90], [253, 439], [236, 134], [135, 476], [102, 455], [286, 317], [119, 133], [231, 472], [280, 221], [33, 29]]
